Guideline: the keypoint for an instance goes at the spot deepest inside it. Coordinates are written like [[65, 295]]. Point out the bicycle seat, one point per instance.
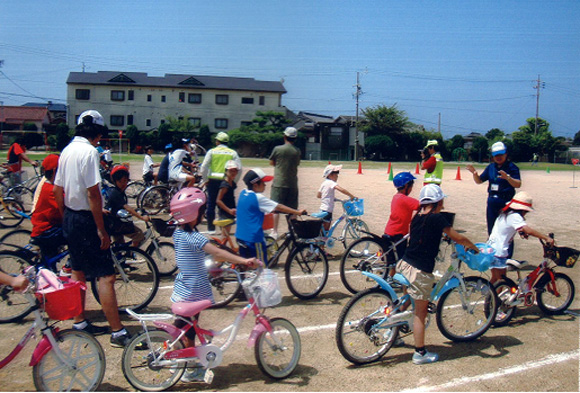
[[189, 309], [224, 223], [513, 265], [320, 214]]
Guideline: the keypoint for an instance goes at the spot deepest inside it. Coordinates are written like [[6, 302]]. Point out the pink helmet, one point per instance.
[[186, 204]]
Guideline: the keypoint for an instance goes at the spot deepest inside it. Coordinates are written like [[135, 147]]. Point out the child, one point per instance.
[[252, 206], [192, 282], [148, 175], [163, 173], [177, 163], [402, 209], [510, 221], [326, 192], [116, 201], [226, 200], [418, 262], [18, 283]]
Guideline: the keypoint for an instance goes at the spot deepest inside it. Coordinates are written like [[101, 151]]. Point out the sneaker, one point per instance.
[[429, 357], [94, 330], [66, 271], [195, 375], [120, 341]]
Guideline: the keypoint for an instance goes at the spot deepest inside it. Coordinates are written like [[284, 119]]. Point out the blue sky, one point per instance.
[[474, 62]]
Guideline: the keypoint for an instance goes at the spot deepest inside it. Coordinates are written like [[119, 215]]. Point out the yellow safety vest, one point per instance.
[[435, 177]]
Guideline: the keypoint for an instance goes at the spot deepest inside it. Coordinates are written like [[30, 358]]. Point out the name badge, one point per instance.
[[494, 187]]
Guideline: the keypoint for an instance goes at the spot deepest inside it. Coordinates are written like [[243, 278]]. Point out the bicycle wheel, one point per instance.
[[225, 287], [278, 352], [16, 238], [11, 213], [505, 312], [164, 257], [306, 271], [23, 195], [466, 315], [548, 301], [271, 248], [359, 336], [155, 199], [138, 284], [363, 255], [134, 188], [88, 364], [137, 366], [13, 305], [353, 230]]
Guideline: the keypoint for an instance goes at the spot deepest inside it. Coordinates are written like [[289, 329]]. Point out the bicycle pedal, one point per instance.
[[431, 308]]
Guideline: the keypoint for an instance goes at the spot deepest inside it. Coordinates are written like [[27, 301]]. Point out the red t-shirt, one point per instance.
[[429, 164], [402, 208], [14, 157], [46, 213]]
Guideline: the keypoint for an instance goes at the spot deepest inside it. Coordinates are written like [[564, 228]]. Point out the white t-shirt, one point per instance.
[[147, 164], [503, 232], [78, 170], [327, 195], [175, 160]]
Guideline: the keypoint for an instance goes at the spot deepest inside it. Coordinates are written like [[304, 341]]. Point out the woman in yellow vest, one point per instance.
[[433, 164]]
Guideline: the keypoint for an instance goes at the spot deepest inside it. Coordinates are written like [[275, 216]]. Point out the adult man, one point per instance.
[[77, 193], [213, 171], [16, 154], [433, 164], [285, 160]]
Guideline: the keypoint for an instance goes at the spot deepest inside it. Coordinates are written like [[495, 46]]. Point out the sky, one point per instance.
[[474, 64]]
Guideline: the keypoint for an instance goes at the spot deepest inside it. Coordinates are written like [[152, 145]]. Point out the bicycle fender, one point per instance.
[[401, 279], [258, 329], [43, 347], [169, 328], [383, 284], [449, 285]]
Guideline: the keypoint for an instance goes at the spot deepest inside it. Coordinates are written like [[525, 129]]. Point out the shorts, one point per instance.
[[84, 245], [285, 196], [180, 178], [148, 177], [498, 263], [136, 236], [253, 250], [328, 217], [421, 282]]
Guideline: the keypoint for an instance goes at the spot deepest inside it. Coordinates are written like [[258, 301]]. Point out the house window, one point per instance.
[[221, 99], [117, 95], [246, 123], [247, 100], [181, 97], [194, 98], [130, 95], [83, 94], [221, 123], [149, 97], [195, 121], [117, 120], [162, 122], [262, 100], [148, 122], [163, 99], [129, 120]]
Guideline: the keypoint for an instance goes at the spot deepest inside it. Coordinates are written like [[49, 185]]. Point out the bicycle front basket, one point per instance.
[[63, 304], [479, 262], [354, 207], [163, 228], [265, 290], [564, 256], [308, 228]]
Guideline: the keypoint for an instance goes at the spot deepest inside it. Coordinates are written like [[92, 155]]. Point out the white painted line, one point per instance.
[[548, 360]]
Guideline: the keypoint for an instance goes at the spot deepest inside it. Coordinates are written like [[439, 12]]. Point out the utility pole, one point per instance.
[[2, 108], [439, 124], [357, 93], [539, 84]]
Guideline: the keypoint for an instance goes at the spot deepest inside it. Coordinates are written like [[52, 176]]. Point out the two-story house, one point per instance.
[[135, 98]]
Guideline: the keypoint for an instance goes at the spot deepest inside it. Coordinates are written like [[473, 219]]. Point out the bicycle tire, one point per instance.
[[16, 238], [505, 312], [136, 364], [87, 355], [271, 248], [225, 287], [280, 245], [353, 230], [134, 188], [365, 254], [164, 258], [278, 352], [23, 195], [13, 305], [11, 213], [547, 301], [306, 271], [456, 321], [358, 338], [155, 199], [142, 279]]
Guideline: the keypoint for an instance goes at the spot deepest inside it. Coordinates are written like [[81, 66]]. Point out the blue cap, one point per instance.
[[168, 146]]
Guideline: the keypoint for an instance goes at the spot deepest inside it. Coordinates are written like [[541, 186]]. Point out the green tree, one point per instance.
[[576, 140], [132, 133], [480, 149], [63, 136], [380, 147], [263, 134], [527, 141], [494, 134], [388, 121], [204, 137], [454, 143]]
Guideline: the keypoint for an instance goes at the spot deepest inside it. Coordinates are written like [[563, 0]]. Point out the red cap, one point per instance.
[[118, 168], [50, 162]]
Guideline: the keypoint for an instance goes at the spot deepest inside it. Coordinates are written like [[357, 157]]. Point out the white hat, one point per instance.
[[498, 148], [231, 164], [222, 137], [520, 201], [290, 132], [431, 193], [97, 118], [331, 168]]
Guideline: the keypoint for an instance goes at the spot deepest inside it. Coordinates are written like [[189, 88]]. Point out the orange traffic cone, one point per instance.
[[389, 168], [328, 162], [458, 177], [417, 169], [359, 168]]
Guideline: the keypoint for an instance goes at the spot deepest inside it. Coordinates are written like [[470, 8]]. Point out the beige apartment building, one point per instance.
[[135, 98]]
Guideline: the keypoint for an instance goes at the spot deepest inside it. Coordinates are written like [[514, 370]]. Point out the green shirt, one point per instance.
[[287, 159]]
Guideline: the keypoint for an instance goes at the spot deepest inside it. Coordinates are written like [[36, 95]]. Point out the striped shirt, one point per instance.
[[192, 283]]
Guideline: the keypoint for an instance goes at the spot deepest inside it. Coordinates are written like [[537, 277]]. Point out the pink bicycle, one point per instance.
[[156, 359], [63, 360]]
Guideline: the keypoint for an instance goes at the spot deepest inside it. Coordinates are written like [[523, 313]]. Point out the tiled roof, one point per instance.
[[50, 105], [117, 78], [23, 114]]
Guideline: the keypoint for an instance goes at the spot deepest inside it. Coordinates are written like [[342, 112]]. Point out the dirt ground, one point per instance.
[[533, 353]]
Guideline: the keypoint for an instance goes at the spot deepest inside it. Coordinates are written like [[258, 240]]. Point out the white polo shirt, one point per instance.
[[78, 170]]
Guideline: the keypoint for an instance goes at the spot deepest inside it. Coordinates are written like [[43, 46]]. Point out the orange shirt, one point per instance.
[[46, 214]]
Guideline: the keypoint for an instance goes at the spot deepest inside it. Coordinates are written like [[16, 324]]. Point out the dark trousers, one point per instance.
[[213, 188]]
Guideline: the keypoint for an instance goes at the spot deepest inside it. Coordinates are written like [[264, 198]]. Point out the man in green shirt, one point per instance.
[[285, 159]]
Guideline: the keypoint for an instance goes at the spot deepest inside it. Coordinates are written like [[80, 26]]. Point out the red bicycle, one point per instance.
[[552, 291]]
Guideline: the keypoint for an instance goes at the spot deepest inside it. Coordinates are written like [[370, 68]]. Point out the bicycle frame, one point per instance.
[[330, 240]]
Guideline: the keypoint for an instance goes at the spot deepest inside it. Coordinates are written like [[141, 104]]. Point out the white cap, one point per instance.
[[431, 193], [222, 137], [331, 168], [97, 118], [231, 164], [498, 148], [290, 132]]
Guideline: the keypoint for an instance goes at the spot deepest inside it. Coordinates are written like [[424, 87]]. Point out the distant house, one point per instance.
[[56, 112], [469, 138], [15, 117]]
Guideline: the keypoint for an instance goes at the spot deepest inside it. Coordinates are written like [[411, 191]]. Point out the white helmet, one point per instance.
[[431, 193]]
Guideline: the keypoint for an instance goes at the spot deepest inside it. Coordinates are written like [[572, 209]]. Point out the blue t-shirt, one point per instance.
[[250, 216], [498, 187], [163, 174]]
